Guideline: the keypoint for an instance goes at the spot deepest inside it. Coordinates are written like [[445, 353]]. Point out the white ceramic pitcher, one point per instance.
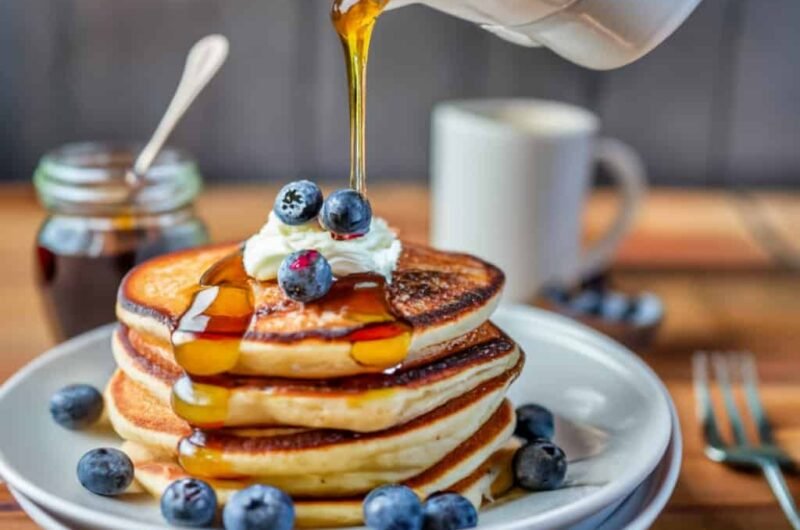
[[598, 34]]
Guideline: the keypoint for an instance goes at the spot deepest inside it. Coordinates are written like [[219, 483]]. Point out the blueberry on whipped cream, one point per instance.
[[346, 213], [376, 251], [298, 202]]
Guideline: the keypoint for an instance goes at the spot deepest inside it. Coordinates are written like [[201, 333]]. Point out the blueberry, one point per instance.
[[540, 465], [598, 282], [189, 502], [393, 508], [587, 302], [259, 507], [346, 213], [305, 275], [556, 294], [76, 406], [645, 310], [298, 202], [448, 511], [614, 306], [105, 471], [534, 421]]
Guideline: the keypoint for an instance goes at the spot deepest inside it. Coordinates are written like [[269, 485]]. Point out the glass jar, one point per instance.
[[97, 230]]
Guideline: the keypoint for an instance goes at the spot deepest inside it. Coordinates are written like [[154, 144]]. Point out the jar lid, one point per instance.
[[89, 179]]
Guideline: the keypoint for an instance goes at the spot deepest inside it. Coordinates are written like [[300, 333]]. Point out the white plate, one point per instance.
[[39, 515], [642, 507], [577, 372], [637, 512]]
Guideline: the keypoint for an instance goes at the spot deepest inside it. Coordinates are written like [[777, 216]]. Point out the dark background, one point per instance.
[[717, 105]]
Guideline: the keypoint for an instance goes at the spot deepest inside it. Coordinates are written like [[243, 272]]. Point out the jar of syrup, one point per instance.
[[97, 230]]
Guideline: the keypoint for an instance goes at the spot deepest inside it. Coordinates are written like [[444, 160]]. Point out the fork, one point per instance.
[[730, 368]]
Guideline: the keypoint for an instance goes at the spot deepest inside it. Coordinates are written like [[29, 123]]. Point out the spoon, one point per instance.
[[204, 60]]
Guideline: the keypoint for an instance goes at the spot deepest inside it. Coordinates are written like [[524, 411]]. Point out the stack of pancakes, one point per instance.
[[298, 412]]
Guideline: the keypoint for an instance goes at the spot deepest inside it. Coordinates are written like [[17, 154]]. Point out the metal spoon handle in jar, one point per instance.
[[204, 60]]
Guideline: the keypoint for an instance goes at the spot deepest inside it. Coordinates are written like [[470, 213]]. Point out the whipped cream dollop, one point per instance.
[[376, 251]]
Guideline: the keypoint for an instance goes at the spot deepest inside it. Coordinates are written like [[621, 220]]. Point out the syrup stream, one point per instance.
[[353, 21]]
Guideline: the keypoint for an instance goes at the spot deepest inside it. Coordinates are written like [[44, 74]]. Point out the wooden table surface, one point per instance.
[[725, 266]]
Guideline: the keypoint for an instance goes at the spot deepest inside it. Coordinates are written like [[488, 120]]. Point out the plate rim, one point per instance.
[[657, 498], [563, 515], [608, 493], [36, 513], [658, 501]]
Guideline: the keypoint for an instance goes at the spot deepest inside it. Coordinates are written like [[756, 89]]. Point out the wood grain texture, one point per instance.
[[722, 290]]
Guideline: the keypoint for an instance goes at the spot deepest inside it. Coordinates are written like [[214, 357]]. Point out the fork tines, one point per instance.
[[730, 369]]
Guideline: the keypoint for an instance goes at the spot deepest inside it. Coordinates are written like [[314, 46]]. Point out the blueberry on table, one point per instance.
[[534, 422], [298, 202], [76, 406], [448, 511], [393, 507], [305, 275], [105, 471], [346, 213], [540, 465], [189, 502], [259, 507]]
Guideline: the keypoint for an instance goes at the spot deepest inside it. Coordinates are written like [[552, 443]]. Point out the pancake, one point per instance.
[[313, 462], [440, 295], [365, 403], [482, 482]]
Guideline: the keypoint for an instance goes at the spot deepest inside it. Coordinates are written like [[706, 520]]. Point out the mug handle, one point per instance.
[[627, 169]]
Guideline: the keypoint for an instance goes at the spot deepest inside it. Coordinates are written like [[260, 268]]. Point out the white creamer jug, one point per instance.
[[598, 34]]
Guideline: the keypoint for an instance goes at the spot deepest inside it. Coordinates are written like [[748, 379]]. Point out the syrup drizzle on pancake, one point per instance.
[[208, 338]]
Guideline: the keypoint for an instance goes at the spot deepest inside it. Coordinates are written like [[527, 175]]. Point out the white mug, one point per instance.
[[509, 184]]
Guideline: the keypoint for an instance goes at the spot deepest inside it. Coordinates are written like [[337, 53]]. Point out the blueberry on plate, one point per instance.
[[189, 502], [534, 422], [346, 213], [259, 507], [105, 471], [76, 406], [393, 507], [298, 202], [448, 511], [305, 275], [540, 465]]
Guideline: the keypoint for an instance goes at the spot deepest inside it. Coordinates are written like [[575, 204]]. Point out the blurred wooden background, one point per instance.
[[715, 105]]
